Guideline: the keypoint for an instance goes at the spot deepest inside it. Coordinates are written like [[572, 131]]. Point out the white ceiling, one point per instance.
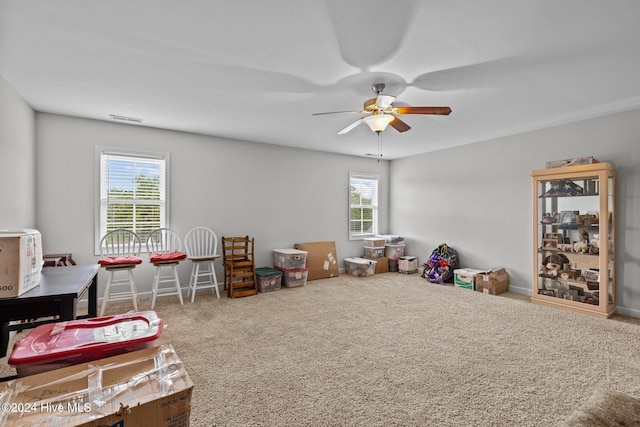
[[257, 69]]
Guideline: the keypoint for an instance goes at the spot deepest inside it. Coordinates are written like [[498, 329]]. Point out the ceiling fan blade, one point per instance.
[[337, 112], [351, 126], [384, 101], [399, 125], [422, 110]]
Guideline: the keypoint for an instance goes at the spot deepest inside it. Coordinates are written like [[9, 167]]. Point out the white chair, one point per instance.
[[201, 245], [119, 249], [163, 246]]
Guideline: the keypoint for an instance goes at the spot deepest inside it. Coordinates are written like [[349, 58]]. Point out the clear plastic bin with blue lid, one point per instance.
[[56, 345]]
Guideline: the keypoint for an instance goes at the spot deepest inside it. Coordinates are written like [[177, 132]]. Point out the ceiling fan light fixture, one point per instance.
[[378, 122]]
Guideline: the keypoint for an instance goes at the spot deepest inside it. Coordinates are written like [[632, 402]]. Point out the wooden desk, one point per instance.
[[57, 295]]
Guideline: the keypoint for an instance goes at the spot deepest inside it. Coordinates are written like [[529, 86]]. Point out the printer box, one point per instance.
[[20, 261]]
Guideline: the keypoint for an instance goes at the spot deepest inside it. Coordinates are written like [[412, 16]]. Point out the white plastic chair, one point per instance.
[[163, 246], [201, 245], [119, 251]]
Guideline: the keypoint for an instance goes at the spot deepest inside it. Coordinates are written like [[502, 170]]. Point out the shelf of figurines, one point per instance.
[[577, 248], [572, 290]]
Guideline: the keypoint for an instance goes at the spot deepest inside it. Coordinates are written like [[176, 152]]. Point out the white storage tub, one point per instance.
[[289, 259], [360, 267], [373, 252]]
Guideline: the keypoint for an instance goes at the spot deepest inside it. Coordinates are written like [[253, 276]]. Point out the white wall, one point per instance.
[[276, 194], [477, 198], [17, 161]]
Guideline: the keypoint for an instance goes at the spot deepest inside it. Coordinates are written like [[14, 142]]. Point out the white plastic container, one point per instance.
[[394, 251], [373, 251], [465, 278], [294, 278], [377, 242], [391, 239], [360, 267], [289, 259]]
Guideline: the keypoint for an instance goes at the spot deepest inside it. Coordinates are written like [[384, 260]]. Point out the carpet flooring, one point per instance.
[[392, 350]]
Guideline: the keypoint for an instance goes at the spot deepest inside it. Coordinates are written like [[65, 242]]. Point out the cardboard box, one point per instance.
[[20, 261], [494, 281], [408, 264], [148, 387], [322, 259], [382, 264]]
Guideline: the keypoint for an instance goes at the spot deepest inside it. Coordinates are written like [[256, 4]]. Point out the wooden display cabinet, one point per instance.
[[573, 238]]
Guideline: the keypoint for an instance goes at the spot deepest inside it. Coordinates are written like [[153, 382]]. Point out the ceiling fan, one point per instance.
[[381, 112]]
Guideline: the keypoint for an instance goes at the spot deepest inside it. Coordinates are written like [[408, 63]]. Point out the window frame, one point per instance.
[[100, 202], [375, 205]]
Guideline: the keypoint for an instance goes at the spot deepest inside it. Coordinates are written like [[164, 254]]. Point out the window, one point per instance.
[[363, 205], [133, 192]]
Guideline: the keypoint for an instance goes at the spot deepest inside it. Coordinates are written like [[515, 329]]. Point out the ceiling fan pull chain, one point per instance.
[[379, 146]]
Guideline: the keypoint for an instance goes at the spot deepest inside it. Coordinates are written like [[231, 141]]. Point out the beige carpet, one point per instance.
[[393, 350]]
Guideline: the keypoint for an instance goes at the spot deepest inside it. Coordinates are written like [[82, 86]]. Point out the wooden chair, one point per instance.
[[239, 267], [163, 246], [119, 251], [201, 245]]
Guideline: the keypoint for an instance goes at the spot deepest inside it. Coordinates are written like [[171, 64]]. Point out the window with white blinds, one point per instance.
[[363, 205], [133, 192]]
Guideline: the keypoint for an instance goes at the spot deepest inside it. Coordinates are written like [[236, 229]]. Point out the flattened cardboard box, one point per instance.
[[148, 387], [322, 259], [494, 281]]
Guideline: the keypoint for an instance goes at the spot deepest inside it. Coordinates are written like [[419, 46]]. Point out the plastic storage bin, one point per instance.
[[269, 279], [373, 251], [360, 267], [393, 265], [391, 239], [56, 345], [294, 278], [377, 242], [289, 259], [394, 251], [465, 278]]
